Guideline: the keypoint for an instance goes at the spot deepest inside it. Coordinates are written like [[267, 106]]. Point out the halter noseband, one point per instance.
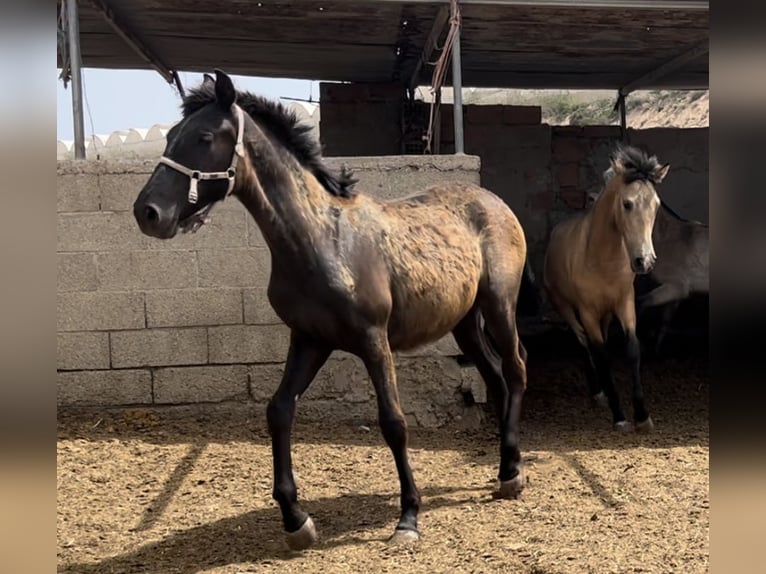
[[195, 175]]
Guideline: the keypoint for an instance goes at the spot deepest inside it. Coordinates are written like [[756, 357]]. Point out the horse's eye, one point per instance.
[[627, 204], [206, 137]]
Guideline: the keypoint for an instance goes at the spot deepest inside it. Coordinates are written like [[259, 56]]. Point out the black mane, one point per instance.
[[671, 211], [638, 165], [678, 217], [282, 124]]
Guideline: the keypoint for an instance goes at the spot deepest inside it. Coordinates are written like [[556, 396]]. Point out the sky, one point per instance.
[[124, 99]]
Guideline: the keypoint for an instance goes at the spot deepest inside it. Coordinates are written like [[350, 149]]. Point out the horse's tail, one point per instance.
[[529, 304], [530, 301]]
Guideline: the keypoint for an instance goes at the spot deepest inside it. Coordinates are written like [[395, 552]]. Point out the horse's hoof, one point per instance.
[[623, 426], [509, 489], [304, 537], [600, 399], [645, 427], [404, 536]]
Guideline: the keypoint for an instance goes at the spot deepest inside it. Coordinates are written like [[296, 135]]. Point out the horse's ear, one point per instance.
[[208, 81], [661, 172], [616, 167], [225, 93]]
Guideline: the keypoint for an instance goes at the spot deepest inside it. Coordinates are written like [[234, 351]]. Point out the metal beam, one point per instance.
[[692, 5], [179, 85], [131, 40], [457, 91], [73, 32], [667, 68], [438, 124], [439, 23], [622, 104]]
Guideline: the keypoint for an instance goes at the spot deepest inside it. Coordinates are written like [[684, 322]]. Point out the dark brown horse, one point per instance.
[[350, 272]]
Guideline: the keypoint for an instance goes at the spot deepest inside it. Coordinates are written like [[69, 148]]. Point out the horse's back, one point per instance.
[[442, 243], [482, 213], [683, 253]]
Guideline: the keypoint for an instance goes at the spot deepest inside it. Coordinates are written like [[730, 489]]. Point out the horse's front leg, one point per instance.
[[665, 293], [668, 312], [597, 346], [304, 359], [379, 361], [627, 317]]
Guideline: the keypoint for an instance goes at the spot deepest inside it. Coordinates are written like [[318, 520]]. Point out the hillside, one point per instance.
[[646, 109]]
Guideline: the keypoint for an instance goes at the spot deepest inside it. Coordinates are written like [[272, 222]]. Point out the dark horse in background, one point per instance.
[[682, 270], [350, 272]]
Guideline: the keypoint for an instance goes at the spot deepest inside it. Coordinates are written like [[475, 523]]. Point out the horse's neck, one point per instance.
[[663, 223], [604, 248], [285, 201]]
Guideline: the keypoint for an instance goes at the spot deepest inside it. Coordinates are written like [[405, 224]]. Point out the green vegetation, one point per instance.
[[558, 109]]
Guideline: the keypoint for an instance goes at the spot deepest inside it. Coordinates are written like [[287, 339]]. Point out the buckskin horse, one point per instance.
[[349, 271], [682, 269], [590, 266]]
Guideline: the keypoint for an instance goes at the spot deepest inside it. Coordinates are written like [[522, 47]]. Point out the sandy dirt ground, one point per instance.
[[162, 492]]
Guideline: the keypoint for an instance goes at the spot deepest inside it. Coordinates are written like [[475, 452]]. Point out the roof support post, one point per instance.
[[457, 84], [623, 118], [438, 123], [179, 85], [73, 32]]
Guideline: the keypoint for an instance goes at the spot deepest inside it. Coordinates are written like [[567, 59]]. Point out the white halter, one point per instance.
[[196, 175]]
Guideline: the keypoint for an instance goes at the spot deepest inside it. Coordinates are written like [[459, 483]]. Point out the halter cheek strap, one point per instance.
[[195, 175]]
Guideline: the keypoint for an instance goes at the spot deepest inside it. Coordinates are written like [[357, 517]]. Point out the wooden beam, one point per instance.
[[571, 80], [611, 4], [437, 27], [131, 40], [667, 68]]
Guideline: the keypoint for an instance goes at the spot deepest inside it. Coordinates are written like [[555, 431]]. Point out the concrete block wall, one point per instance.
[[363, 117], [147, 322], [543, 172]]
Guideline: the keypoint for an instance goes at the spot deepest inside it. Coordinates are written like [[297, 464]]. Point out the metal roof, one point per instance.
[[504, 43]]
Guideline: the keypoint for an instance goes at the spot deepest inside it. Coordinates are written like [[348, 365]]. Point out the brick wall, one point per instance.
[[147, 322]]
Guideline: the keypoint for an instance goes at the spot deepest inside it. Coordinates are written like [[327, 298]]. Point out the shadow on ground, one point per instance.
[[231, 540]]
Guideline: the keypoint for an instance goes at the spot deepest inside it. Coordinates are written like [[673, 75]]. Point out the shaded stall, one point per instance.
[[622, 45]]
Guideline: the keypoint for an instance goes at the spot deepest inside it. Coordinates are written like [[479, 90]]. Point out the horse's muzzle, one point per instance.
[[155, 221], [642, 265]]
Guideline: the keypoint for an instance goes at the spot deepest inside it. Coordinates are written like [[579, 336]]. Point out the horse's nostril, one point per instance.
[[638, 262], [152, 214]]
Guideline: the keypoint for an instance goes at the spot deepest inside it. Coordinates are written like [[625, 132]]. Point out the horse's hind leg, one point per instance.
[[477, 347], [499, 314], [379, 361], [304, 359]]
